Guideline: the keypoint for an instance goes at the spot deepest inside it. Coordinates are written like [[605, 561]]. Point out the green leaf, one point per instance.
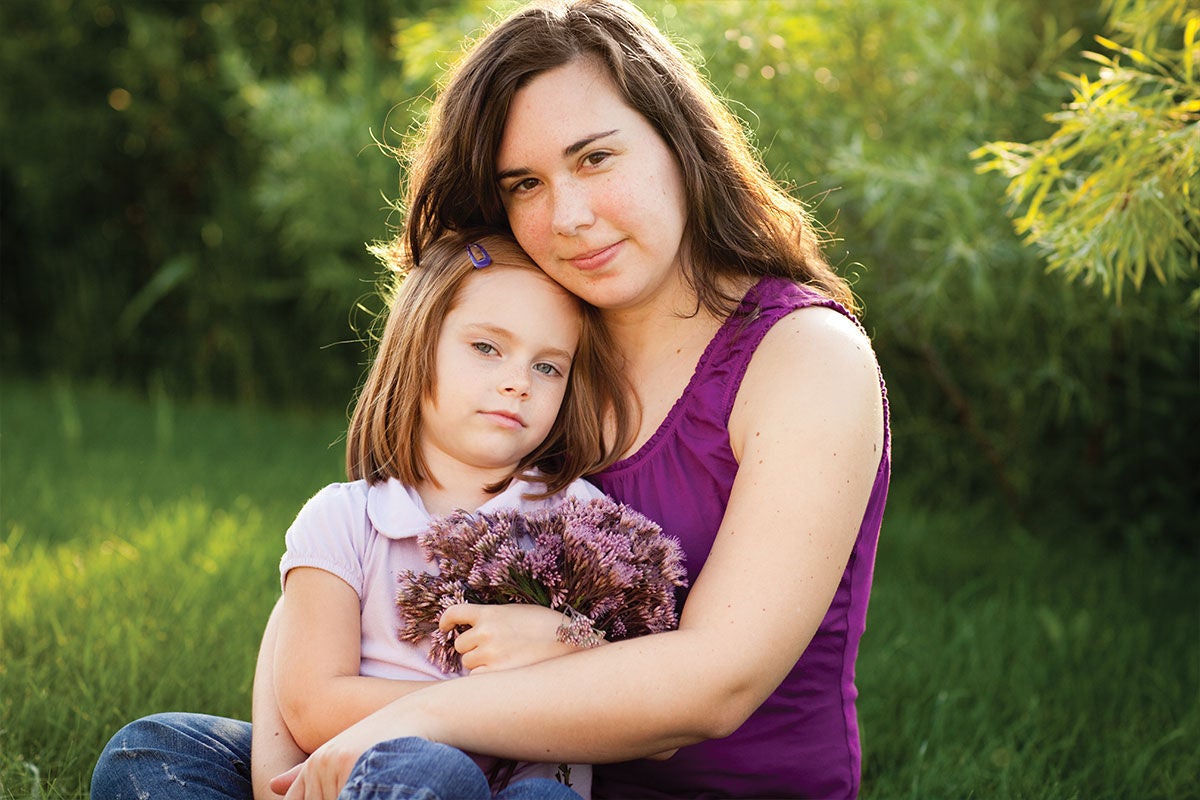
[[170, 275]]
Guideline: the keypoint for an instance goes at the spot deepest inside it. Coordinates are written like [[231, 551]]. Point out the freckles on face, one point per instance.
[[592, 191]]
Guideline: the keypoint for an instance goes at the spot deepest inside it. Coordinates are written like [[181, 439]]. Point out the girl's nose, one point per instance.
[[572, 209], [516, 382]]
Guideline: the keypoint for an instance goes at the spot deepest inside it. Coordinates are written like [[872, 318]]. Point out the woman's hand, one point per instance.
[[323, 775], [505, 636]]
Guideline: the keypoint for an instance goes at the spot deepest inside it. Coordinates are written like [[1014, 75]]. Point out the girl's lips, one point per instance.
[[595, 259], [504, 419]]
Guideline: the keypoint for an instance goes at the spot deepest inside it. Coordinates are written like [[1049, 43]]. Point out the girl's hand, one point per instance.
[[505, 636]]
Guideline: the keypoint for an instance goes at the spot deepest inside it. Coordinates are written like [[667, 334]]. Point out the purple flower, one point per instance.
[[613, 568]]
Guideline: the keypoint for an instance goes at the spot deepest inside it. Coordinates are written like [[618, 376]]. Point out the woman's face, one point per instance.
[[593, 193]]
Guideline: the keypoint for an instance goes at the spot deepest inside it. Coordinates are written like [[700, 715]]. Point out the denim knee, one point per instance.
[[175, 755], [537, 789], [415, 769]]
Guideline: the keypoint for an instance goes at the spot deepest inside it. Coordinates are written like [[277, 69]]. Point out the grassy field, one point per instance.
[[138, 559]]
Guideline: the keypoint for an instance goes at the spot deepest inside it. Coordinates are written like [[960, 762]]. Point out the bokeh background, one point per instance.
[[187, 189]]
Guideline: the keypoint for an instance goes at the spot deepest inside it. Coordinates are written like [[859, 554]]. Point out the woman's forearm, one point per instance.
[[624, 702], [324, 708]]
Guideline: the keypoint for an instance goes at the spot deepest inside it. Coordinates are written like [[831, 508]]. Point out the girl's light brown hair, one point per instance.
[[385, 428], [741, 222]]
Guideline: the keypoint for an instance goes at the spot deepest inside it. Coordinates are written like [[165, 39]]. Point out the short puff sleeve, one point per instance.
[[330, 533]]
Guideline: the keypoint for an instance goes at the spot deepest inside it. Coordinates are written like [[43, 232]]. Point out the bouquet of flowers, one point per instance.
[[611, 570]]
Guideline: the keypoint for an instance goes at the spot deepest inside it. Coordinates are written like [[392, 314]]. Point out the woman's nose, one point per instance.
[[572, 209]]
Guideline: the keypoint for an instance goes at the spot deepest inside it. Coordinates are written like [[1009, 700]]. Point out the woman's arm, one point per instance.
[[272, 748], [807, 429]]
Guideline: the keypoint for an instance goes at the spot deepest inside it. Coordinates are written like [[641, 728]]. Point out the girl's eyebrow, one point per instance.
[[568, 151], [503, 333]]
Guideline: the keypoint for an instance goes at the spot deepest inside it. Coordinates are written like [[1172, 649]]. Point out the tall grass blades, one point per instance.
[[1001, 660], [137, 569]]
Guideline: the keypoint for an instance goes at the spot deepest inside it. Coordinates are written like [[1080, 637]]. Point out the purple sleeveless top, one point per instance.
[[803, 741]]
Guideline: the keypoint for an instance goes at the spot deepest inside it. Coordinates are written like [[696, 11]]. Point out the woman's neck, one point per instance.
[[674, 325], [661, 347]]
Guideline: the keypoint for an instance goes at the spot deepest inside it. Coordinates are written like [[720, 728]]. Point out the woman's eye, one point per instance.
[[547, 369], [596, 157], [484, 348], [524, 185]]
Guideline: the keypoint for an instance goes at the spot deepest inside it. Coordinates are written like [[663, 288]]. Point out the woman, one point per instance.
[[763, 444]]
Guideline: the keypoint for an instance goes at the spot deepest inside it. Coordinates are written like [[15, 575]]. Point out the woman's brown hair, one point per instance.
[[385, 428], [740, 221]]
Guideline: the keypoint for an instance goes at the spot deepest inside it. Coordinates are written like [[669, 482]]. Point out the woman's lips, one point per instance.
[[595, 259]]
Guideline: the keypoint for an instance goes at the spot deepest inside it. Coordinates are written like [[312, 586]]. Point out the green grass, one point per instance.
[[138, 560], [1007, 662]]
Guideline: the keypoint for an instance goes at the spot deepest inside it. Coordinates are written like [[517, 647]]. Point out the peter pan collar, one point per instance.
[[396, 510]]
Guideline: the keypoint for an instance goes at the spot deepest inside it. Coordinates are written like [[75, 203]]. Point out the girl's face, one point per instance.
[[593, 193], [503, 358]]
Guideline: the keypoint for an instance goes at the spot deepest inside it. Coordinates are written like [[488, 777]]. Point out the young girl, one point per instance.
[[486, 393]]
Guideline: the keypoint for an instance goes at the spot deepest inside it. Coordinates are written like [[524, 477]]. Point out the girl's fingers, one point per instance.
[[465, 642], [461, 614]]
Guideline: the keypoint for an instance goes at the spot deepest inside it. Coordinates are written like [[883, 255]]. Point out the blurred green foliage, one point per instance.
[[1110, 214], [187, 189], [1000, 377]]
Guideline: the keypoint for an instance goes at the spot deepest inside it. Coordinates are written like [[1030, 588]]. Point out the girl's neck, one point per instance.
[[446, 499], [458, 486]]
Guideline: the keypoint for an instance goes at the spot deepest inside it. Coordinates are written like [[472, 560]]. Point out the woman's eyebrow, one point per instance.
[[572, 149], [568, 151]]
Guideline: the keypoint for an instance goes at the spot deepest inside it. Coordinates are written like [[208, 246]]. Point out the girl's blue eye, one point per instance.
[[546, 369], [484, 348]]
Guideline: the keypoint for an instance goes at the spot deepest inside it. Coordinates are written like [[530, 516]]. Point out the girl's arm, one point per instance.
[[272, 749], [807, 430], [317, 683], [317, 656]]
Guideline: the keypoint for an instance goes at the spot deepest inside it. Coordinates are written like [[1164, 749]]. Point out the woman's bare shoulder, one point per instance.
[[815, 367]]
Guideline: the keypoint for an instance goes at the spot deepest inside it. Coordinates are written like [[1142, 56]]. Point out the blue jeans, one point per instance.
[[176, 756], [198, 757], [415, 769]]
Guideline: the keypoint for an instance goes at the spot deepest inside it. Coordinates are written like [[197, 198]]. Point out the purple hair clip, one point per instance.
[[479, 257]]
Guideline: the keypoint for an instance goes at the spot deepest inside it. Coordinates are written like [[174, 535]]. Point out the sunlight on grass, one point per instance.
[[1000, 659], [997, 663], [97, 631], [137, 568]]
